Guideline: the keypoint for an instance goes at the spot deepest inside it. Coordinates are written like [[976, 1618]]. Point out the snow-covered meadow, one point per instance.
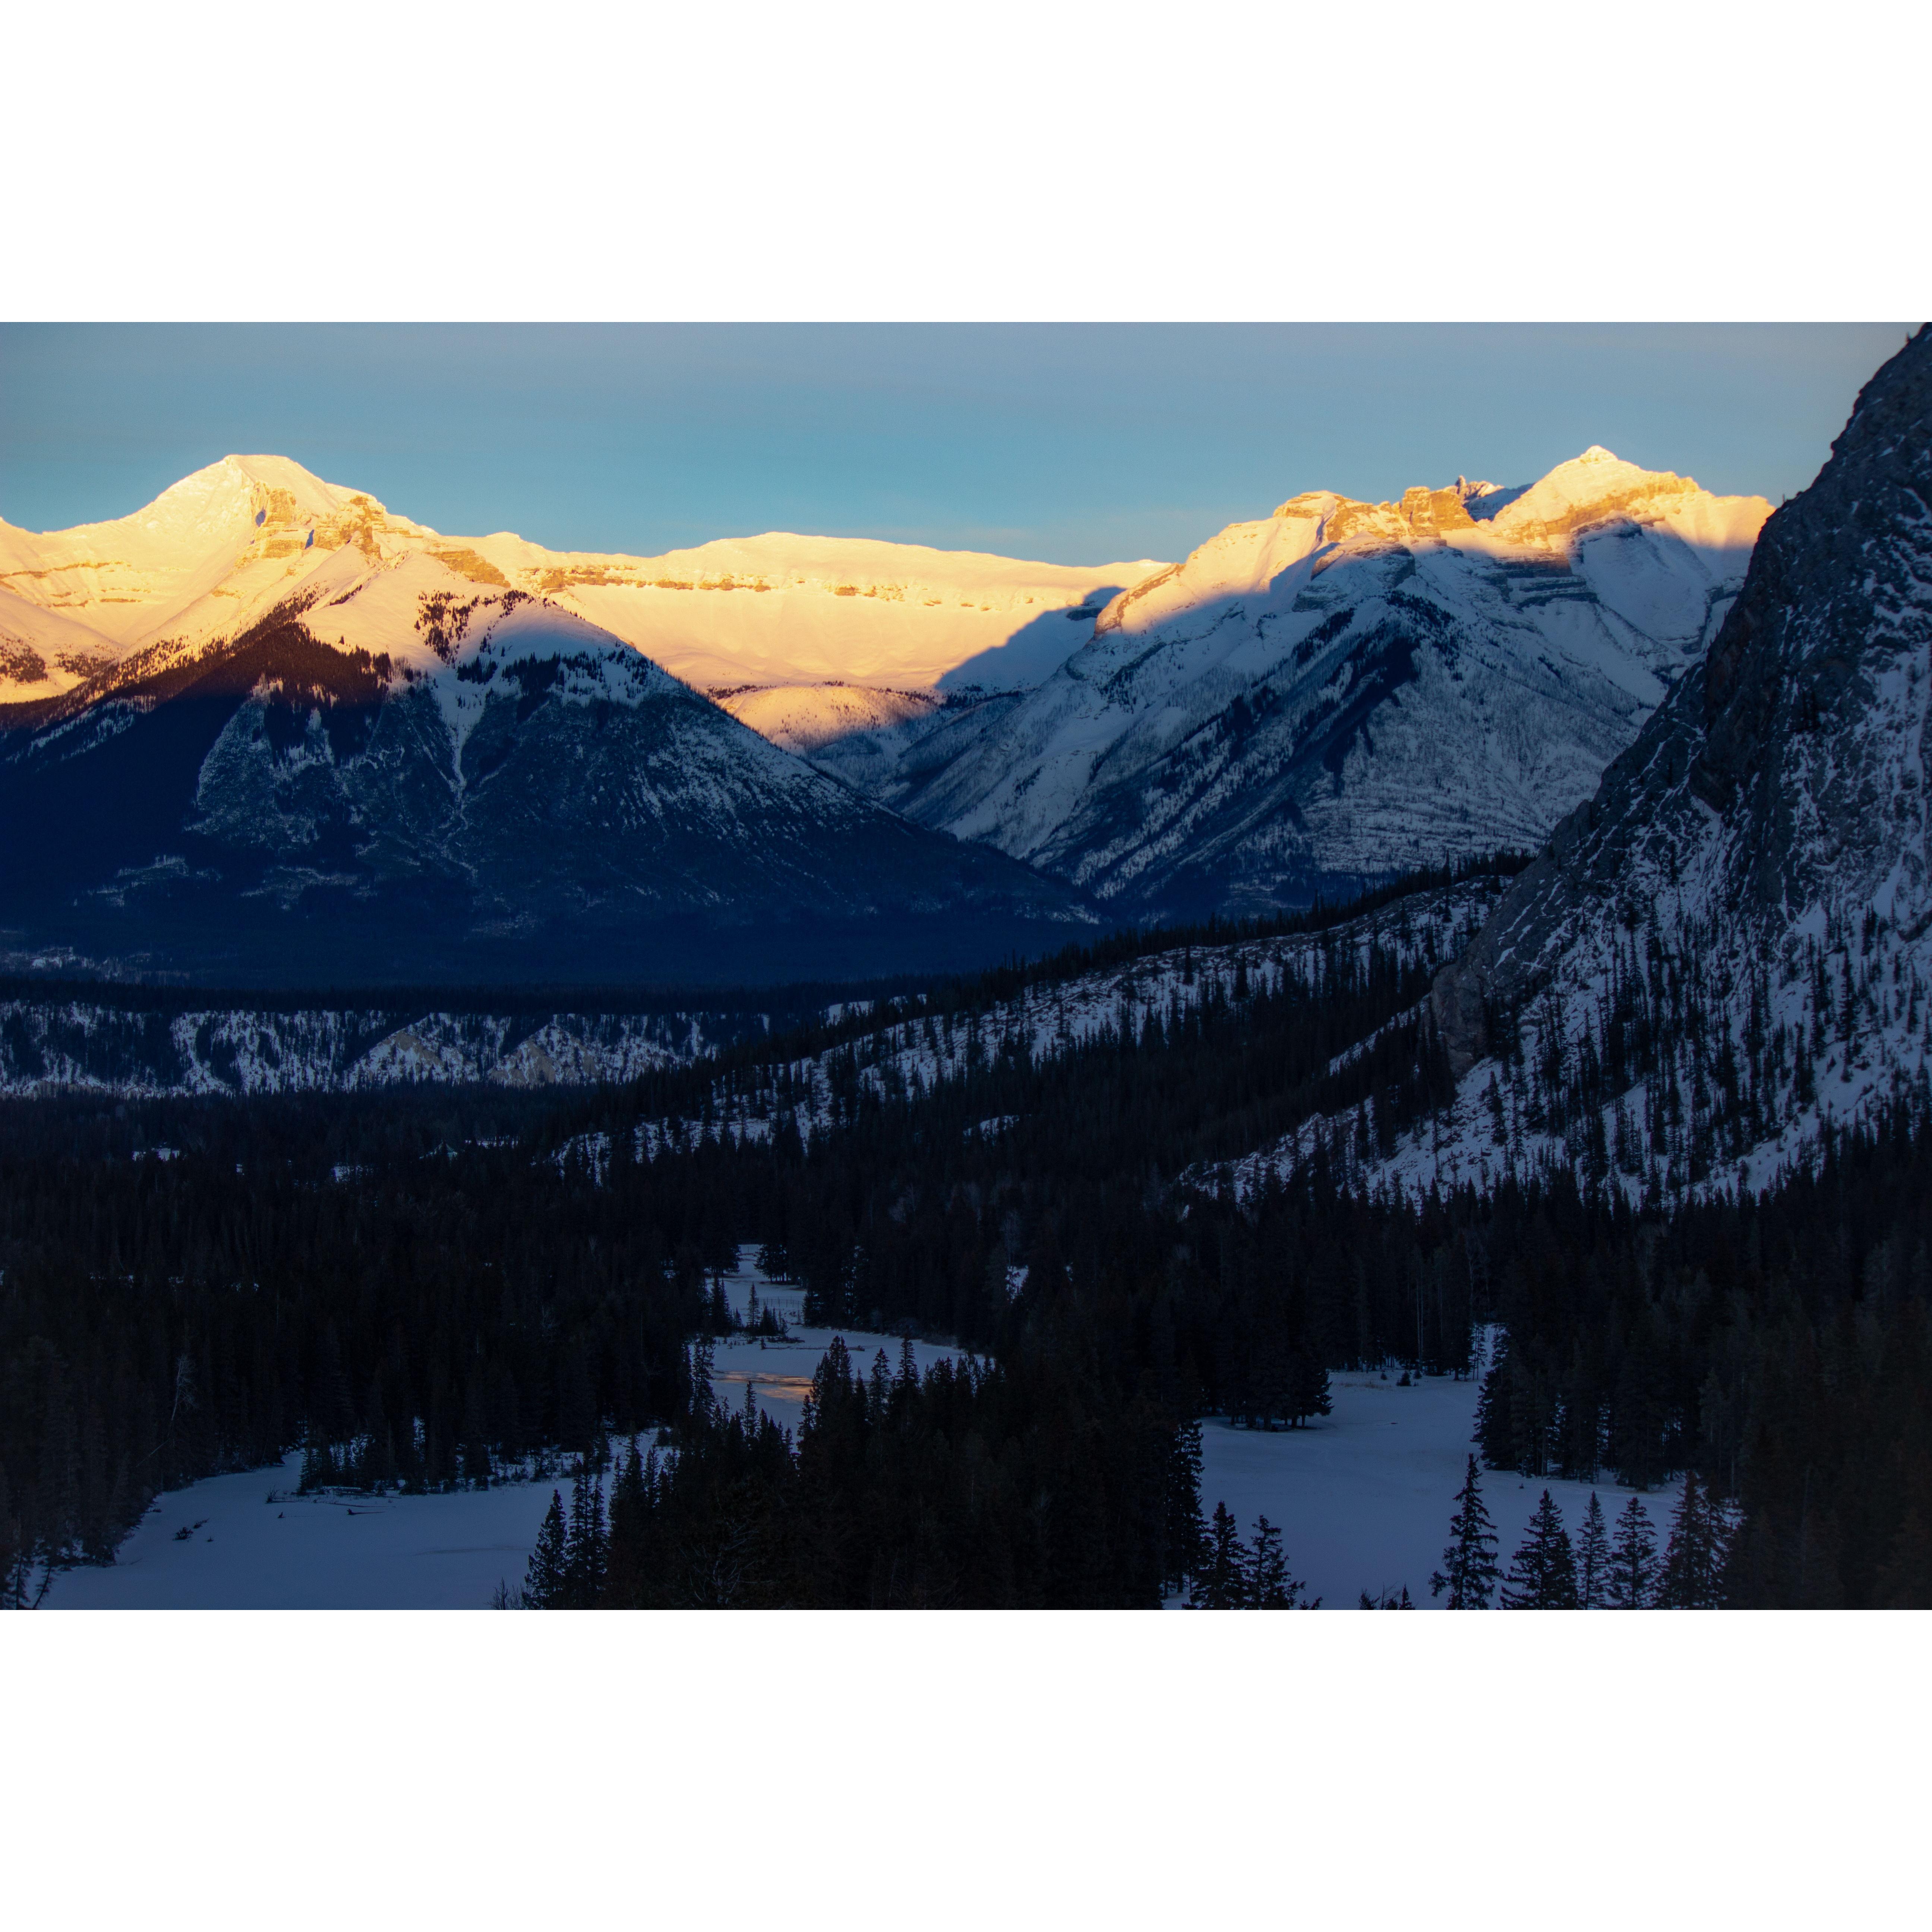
[[255, 1544], [1363, 1497]]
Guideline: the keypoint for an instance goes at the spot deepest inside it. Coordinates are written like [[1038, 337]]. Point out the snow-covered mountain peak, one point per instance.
[[1595, 488], [1319, 697], [217, 550], [220, 504]]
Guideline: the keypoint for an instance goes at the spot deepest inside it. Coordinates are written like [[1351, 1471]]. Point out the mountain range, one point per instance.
[[266, 731], [311, 743], [1314, 701]]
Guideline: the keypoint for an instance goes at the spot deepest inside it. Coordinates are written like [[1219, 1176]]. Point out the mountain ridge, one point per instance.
[[775, 608], [1315, 700], [398, 773]]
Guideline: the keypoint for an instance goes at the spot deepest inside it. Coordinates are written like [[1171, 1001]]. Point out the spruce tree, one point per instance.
[[1543, 1573], [1270, 1587], [1632, 1574], [1469, 1570], [1186, 1539], [1593, 1558], [1222, 1583], [1692, 1578], [1307, 1386], [584, 1543], [625, 1578], [545, 1582]]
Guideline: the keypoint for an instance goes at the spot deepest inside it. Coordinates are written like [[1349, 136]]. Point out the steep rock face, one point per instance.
[[1785, 780], [1315, 701], [401, 773], [1731, 942]]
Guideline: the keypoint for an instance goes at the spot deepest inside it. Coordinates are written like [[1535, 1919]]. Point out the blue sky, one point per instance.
[[1069, 443]]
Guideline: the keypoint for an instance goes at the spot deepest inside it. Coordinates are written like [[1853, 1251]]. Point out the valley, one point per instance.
[[1598, 1154]]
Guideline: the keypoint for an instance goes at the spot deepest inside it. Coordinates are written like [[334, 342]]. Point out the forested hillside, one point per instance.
[[428, 1288]]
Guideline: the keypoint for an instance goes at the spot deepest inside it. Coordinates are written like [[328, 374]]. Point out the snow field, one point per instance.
[[259, 1546], [256, 1545], [780, 1372], [1364, 1496]]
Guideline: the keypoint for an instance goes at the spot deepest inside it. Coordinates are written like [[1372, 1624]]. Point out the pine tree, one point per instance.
[[1633, 1567], [1593, 1558], [626, 1580], [1692, 1578], [1270, 1587], [1470, 1570], [585, 1547], [544, 1582], [1543, 1573], [1185, 1538], [1222, 1584], [1307, 1386]]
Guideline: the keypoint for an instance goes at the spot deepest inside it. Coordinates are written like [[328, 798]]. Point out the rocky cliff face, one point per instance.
[[1783, 786], [1731, 942]]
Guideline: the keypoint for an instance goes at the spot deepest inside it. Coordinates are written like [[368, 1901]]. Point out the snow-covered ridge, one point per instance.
[[214, 552], [1342, 690], [910, 1055], [72, 1045], [1728, 950]]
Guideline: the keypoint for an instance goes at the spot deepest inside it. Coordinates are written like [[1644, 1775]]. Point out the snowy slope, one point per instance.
[[69, 1045], [909, 1053], [807, 717], [397, 771], [214, 552], [1343, 689], [1730, 944]]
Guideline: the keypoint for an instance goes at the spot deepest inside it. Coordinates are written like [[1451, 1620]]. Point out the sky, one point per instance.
[[1069, 443]]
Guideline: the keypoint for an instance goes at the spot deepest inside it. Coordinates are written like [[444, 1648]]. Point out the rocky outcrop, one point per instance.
[[1781, 791]]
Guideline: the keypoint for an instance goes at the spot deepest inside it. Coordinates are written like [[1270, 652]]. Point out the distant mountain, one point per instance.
[[265, 730], [312, 742], [1320, 699], [778, 609]]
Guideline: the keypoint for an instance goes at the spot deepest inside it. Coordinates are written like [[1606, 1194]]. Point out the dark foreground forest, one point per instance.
[[424, 1289]]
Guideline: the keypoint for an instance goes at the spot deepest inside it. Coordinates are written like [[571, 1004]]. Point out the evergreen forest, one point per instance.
[[427, 1289]]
